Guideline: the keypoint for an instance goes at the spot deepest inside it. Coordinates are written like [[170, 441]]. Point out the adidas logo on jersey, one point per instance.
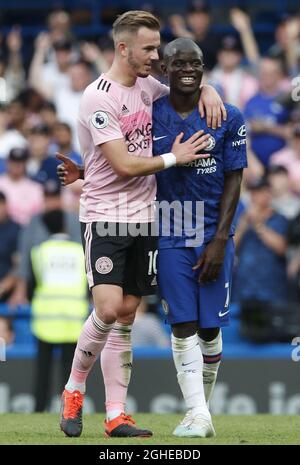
[[125, 110]]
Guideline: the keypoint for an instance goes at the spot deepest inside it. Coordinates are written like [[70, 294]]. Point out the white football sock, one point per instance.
[[212, 352], [189, 364]]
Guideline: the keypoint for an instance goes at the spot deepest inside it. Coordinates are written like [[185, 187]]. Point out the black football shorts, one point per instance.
[[127, 260]]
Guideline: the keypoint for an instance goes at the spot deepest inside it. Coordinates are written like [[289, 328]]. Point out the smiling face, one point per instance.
[[184, 67]]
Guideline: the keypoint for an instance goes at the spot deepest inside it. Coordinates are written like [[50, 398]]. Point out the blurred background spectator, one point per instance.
[[197, 26], [261, 237], [24, 196], [290, 158], [267, 118], [59, 302]]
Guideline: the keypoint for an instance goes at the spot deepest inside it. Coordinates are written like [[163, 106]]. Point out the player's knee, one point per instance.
[[107, 310], [184, 330], [208, 334], [128, 309], [106, 313]]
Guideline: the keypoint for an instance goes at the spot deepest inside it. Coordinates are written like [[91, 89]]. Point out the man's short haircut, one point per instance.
[[132, 21], [179, 44]]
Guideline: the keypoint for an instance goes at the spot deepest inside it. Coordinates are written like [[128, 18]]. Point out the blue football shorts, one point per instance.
[[184, 299]]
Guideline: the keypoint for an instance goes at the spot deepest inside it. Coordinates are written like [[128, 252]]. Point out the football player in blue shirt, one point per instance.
[[195, 264]]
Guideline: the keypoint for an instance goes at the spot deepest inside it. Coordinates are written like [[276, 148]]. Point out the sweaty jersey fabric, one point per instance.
[[110, 111], [201, 180]]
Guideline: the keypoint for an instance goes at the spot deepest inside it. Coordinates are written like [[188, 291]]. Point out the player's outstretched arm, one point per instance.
[[211, 105], [211, 260], [127, 165], [68, 171]]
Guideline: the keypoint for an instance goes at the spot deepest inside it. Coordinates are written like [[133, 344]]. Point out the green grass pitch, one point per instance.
[[256, 429]]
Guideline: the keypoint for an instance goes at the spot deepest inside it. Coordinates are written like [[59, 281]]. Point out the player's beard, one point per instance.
[[135, 65]]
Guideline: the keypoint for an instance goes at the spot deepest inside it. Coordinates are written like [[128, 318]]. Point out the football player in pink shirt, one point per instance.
[[114, 129]]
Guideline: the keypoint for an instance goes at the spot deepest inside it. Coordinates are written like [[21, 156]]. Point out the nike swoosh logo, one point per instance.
[[223, 314], [157, 138], [185, 364]]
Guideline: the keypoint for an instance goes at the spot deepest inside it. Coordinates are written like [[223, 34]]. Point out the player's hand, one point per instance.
[[68, 171], [211, 261], [212, 105], [188, 151]]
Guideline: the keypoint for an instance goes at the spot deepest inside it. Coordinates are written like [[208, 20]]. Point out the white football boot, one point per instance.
[[195, 426]]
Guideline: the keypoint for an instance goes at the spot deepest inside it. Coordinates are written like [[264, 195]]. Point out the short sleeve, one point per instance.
[[235, 153], [102, 119], [158, 89]]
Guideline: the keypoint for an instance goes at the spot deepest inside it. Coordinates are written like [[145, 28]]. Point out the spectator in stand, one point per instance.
[[16, 117], [59, 302], [266, 117], [9, 138], [47, 78], [63, 144], [242, 23], [93, 55], [24, 196], [35, 233], [106, 45], [290, 158], [62, 137], [59, 23], [283, 200], [236, 85], [287, 45], [11, 67], [48, 115], [261, 238], [67, 99], [9, 232], [41, 166], [197, 28]]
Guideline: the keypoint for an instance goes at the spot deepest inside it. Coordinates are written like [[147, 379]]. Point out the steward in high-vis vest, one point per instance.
[[59, 303]]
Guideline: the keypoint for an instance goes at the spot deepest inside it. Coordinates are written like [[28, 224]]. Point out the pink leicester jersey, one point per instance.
[[110, 111]]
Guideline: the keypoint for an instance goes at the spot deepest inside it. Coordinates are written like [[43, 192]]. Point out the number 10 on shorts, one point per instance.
[[152, 269]]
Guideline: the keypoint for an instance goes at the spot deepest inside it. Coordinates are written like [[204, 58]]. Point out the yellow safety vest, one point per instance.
[[59, 304]]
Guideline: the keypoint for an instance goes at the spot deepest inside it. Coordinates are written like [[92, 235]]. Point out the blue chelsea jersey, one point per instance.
[[201, 181]]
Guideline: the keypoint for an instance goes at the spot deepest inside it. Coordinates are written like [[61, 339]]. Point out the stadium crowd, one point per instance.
[[38, 118]]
